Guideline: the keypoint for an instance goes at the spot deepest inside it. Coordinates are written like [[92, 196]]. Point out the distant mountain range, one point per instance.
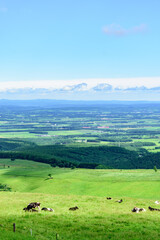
[[82, 91], [103, 87]]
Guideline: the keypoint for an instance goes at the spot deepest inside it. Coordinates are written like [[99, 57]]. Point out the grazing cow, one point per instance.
[[153, 209], [34, 210], [32, 205], [119, 201], [157, 202], [47, 209], [25, 209], [30, 210], [73, 208], [108, 198], [136, 209]]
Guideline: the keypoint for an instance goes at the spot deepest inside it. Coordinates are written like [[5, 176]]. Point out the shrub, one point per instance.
[[101, 167], [4, 187], [155, 168]]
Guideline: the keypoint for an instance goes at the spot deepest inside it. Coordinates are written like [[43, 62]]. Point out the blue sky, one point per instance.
[[87, 39]]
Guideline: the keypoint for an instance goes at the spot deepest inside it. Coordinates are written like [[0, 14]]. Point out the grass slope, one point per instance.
[[29, 176], [97, 218]]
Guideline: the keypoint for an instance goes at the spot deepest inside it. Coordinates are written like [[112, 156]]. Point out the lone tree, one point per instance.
[[155, 168], [50, 176]]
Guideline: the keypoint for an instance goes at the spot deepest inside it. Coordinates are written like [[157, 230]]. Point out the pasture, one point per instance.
[[96, 218]]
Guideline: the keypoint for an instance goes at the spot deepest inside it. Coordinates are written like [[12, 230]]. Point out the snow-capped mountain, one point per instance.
[[82, 89], [103, 87]]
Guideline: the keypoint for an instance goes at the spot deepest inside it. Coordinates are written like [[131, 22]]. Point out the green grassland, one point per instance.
[[97, 218], [80, 134]]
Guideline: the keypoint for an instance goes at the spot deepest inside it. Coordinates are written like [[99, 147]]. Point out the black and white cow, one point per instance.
[[137, 210], [31, 207], [47, 209], [119, 201]]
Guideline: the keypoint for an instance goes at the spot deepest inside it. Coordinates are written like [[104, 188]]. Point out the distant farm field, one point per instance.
[[116, 124], [97, 218]]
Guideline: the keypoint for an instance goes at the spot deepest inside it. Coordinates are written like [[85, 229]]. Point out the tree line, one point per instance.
[[87, 157]]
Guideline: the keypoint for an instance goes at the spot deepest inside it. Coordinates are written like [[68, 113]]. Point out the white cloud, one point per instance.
[[117, 30], [122, 83], [84, 89]]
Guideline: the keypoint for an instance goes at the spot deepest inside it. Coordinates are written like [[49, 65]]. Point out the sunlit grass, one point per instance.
[[97, 217]]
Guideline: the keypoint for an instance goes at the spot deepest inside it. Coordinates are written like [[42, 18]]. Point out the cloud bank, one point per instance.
[[85, 84], [85, 89]]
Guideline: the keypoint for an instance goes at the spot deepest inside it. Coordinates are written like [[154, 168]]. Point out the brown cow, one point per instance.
[[73, 208], [153, 209]]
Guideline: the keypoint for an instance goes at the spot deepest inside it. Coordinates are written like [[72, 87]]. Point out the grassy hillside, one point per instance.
[[28, 176], [97, 218]]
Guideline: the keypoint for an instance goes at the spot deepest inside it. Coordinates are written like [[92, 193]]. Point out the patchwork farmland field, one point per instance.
[[130, 125]]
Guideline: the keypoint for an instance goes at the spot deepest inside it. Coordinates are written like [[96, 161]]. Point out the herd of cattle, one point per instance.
[[136, 209], [31, 207]]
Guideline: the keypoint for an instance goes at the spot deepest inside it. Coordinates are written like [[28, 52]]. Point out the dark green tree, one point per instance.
[[50, 175], [155, 168]]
